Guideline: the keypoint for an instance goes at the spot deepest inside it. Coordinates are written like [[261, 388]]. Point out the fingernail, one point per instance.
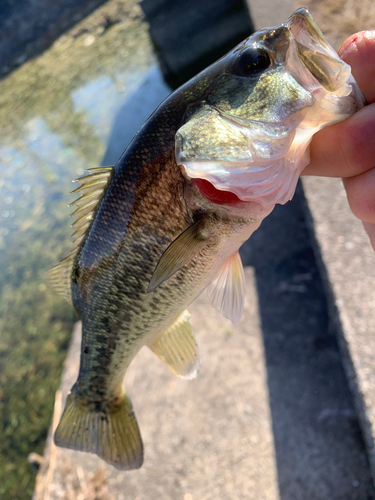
[[343, 50]]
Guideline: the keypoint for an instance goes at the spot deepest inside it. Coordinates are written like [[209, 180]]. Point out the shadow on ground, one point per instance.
[[319, 448]]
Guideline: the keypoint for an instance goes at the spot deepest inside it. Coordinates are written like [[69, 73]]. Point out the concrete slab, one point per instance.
[[347, 264], [316, 432]]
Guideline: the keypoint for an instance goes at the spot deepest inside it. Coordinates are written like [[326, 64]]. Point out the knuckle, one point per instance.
[[361, 196], [357, 144]]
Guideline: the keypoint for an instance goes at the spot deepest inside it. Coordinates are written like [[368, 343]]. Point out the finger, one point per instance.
[[360, 192], [370, 230], [359, 52], [346, 148]]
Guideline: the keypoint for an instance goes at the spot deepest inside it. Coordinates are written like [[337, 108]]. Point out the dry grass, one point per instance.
[[81, 486], [73, 482]]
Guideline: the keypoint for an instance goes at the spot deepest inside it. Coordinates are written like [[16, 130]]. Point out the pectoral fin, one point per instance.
[[178, 349], [227, 291], [186, 246]]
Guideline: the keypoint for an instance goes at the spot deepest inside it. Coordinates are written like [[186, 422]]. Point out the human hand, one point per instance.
[[347, 149]]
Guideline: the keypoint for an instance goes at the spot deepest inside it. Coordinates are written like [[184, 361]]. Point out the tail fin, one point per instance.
[[111, 432]]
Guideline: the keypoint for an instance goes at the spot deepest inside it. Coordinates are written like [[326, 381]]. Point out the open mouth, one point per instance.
[[217, 196]]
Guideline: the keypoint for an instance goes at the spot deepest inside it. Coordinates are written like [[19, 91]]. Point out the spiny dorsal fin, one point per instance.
[[91, 189], [181, 251], [178, 349], [59, 277], [227, 291]]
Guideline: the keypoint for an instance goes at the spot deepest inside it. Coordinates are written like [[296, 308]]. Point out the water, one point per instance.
[[58, 114]]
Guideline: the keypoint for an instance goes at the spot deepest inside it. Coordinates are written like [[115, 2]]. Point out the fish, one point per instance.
[[166, 222]]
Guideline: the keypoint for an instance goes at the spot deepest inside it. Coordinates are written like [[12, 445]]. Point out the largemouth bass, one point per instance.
[[166, 223]]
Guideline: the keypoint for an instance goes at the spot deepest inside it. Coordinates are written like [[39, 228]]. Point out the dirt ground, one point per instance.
[[338, 19]]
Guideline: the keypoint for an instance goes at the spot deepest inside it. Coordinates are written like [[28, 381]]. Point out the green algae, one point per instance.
[[46, 140]]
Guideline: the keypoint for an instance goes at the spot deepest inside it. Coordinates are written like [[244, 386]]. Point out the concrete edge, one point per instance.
[[358, 370]]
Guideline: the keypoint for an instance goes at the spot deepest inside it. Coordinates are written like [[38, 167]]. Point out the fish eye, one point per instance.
[[252, 61]]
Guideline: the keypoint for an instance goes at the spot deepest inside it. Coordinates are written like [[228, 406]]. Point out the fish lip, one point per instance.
[[302, 22], [275, 184], [316, 53], [302, 19]]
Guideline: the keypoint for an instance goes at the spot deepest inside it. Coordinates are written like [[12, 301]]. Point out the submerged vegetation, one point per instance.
[[49, 135]]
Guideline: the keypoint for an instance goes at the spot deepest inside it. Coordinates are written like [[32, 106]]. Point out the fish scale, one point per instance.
[[166, 222]]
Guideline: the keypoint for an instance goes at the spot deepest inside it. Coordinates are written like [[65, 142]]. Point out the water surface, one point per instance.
[[57, 115]]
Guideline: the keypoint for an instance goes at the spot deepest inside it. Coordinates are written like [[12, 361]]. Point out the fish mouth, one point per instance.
[[216, 196], [274, 183], [261, 171], [264, 159]]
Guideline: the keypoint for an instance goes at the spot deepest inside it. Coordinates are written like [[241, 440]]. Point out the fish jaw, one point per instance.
[[251, 135]]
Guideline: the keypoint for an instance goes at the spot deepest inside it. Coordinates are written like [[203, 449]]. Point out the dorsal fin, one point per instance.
[[58, 277], [227, 291], [92, 188]]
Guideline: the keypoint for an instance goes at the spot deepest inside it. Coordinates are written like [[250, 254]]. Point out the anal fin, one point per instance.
[[227, 291], [178, 349]]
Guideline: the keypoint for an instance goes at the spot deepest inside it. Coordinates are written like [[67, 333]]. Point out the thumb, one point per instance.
[[348, 148], [359, 52]]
